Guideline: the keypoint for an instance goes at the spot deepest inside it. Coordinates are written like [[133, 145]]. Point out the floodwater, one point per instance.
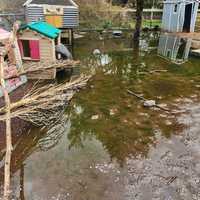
[[109, 146]]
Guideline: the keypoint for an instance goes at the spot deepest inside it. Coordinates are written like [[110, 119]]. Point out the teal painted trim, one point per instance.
[[43, 28]]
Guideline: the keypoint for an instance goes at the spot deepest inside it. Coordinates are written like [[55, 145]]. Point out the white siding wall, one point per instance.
[[173, 21], [70, 14]]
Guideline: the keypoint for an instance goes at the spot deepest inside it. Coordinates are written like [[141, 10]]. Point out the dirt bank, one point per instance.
[[171, 170]]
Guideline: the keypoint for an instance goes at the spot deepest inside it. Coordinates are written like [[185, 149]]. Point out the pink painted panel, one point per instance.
[[4, 34], [13, 82], [35, 49]]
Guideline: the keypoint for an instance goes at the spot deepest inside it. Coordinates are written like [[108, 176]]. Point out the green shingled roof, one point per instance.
[[43, 28]]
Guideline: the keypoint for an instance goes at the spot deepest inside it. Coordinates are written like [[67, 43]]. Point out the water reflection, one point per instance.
[[107, 113], [84, 155], [174, 48]]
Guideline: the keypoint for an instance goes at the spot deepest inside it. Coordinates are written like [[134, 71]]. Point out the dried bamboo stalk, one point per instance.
[[8, 132], [8, 155]]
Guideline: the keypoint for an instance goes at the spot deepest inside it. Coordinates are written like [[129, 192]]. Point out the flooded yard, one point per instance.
[[109, 146]]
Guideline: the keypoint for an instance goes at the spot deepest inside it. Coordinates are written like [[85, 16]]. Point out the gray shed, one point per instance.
[[174, 48], [180, 15], [62, 14]]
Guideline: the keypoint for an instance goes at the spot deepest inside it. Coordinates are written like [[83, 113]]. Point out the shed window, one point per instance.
[[176, 8]]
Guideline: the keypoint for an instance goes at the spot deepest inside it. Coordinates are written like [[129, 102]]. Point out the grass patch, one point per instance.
[[148, 23]]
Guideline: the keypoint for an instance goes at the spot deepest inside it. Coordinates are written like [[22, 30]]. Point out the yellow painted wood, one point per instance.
[[49, 19], [55, 20], [58, 21]]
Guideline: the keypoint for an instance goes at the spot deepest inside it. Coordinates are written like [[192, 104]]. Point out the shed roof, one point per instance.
[[4, 34], [51, 2], [43, 28]]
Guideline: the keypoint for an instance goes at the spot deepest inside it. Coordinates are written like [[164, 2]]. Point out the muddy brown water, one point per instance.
[[109, 146]]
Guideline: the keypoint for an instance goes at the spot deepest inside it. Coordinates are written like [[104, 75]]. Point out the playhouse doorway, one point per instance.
[[26, 49], [188, 18]]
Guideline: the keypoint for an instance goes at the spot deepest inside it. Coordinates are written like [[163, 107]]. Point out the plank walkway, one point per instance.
[[194, 36]]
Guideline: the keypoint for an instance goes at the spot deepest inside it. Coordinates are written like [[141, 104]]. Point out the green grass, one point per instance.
[[147, 23]]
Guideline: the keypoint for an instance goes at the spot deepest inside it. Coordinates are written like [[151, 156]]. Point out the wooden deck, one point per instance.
[[193, 36]]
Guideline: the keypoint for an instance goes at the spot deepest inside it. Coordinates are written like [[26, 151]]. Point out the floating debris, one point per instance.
[[149, 103], [117, 33], [96, 52], [95, 117]]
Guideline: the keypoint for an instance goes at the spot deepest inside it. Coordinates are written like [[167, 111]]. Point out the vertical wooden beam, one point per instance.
[[7, 164], [59, 42], [8, 132], [70, 37], [59, 39], [72, 45]]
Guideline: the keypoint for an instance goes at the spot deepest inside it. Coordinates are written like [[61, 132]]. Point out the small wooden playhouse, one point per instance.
[[180, 15], [63, 14], [38, 40]]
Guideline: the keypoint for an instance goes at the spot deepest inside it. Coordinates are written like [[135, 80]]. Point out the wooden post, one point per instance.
[[72, 31], [72, 45], [11, 41], [8, 132], [70, 37], [58, 43]]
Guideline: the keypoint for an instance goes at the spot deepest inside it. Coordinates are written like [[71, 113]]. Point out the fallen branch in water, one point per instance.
[[157, 71], [146, 100], [152, 72], [38, 104]]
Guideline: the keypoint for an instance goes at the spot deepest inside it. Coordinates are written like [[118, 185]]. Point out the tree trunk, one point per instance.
[[138, 24]]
